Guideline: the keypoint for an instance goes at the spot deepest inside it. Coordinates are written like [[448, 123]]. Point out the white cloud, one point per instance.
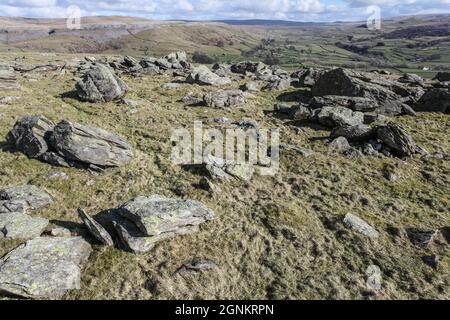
[[317, 10]]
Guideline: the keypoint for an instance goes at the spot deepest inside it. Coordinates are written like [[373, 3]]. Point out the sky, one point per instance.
[[296, 10]]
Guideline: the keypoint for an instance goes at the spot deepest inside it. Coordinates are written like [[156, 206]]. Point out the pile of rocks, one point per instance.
[[68, 144]]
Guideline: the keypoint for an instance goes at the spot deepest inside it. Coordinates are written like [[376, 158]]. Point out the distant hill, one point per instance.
[[261, 22]]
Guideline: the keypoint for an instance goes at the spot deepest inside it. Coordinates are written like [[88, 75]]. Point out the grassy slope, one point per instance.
[[275, 237]]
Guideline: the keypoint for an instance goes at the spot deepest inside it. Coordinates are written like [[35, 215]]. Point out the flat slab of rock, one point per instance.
[[23, 198], [359, 225], [421, 237], [95, 228], [90, 145], [100, 84], [8, 80], [16, 225], [44, 267], [155, 215]]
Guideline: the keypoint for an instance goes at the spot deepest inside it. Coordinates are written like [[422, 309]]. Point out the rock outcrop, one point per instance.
[[203, 76], [434, 100], [225, 99]]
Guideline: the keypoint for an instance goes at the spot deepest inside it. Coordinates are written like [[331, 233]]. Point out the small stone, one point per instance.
[[60, 232], [421, 237], [95, 228], [339, 143], [197, 265], [360, 226]]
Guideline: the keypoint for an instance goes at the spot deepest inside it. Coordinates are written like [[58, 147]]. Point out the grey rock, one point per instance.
[[432, 261], [23, 198], [191, 99], [90, 145], [359, 132], [279, 84], [354, 103], [222, 169], [353, 153], [95, 228], [248, 67], [203, 76], [397, 139], [156, 215], [411, 78], [421, 237], [339, 143], [251, 86], [360, 226], [196, 265], [443, 76], [434, 100], [338, 117], [44, 267], [308, 77], [60, 232], [9, 99], [100, 84], [144, 244], [171, 85], [8, 79], [224, 99], [15, 225], [30, 135]]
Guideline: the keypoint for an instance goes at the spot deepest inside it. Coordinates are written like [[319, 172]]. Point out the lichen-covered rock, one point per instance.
[[30, 135], [203, 76], [23, 198], [222, 169], [225, 99], [338, 117], [44, 267], [397, 139], [90, 145], [100, 84], [278, 84], [360, 226], [16, 225], [155, 215], [95, 228]]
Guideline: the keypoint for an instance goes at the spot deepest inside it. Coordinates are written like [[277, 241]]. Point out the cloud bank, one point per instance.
[[299, 10]]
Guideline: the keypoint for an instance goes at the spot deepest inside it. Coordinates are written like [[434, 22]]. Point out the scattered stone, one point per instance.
[[251, 86], [411, 78], [353, 153], [44, 267], [421, 237], [130, 103], [340, 143], [191, 99], [60, 232], [8, 99], [22, 198], [432, 261], [360, 226], [171, 85], [221, 169], [397, 139], [57, 175], [95, 228], [15, 225], [248, 67], [156, 215], [197, 265], [299, 150], [90, 145], [100, 84], [225, 99]]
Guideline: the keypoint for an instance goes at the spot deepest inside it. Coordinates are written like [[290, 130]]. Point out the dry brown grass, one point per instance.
[[275, 237]]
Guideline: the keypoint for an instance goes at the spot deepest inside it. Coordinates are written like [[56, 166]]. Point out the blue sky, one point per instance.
[[299, 10]]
